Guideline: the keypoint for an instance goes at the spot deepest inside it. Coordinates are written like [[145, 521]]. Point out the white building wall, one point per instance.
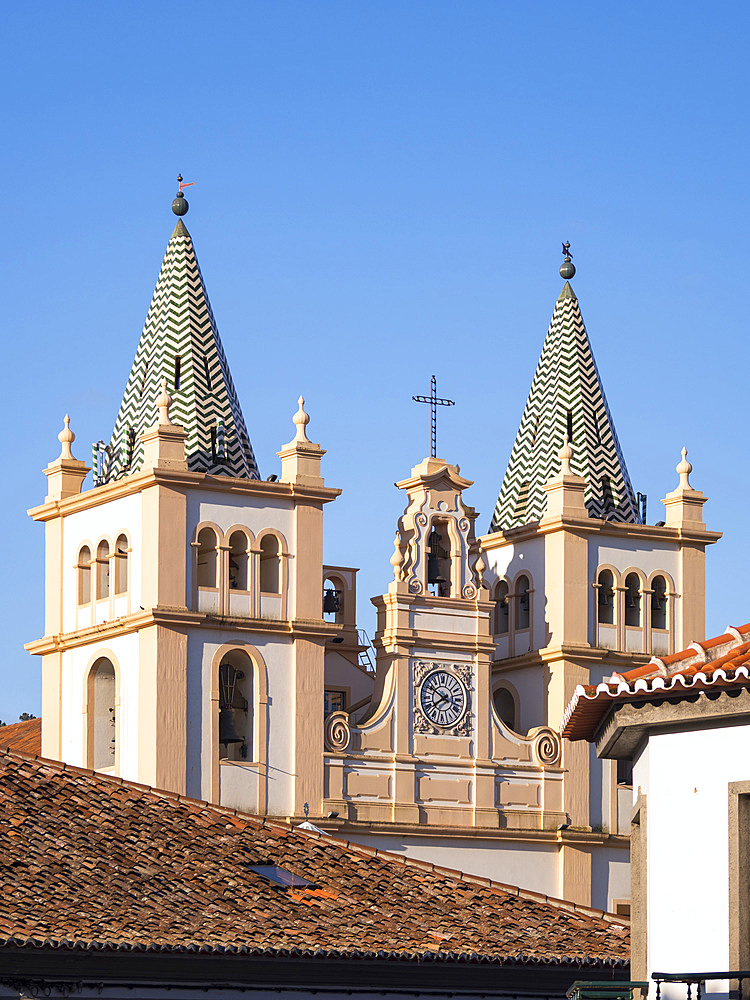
[[533, 866], [685, 776]]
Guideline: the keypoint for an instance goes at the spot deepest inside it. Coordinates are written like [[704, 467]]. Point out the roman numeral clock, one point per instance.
[[442, 698]]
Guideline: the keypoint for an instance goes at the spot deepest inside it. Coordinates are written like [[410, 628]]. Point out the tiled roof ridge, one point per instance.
[[361, 849], [701, 663], [438, 955]]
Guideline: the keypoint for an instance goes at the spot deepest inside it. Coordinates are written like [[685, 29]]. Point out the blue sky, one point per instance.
[[382, 193]]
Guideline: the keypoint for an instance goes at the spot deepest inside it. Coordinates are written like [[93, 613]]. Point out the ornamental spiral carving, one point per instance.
[[469, 592], [415, 587], [338, 735], [463, 524], [421, 520], [547, 747]]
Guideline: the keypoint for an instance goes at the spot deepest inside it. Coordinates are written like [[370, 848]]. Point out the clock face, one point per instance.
[[442, 698]]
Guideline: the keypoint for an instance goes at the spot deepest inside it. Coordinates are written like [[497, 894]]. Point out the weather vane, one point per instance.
[[434, 400], [184, 184], [566, 251]]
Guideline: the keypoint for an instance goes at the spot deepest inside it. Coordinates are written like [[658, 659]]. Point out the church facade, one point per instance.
[[196, 640]]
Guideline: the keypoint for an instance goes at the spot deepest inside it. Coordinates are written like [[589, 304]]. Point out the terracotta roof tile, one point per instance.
[[91, 861], [24, 737], [722, 661]]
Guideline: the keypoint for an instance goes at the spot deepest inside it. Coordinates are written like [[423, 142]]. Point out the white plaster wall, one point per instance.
[[530, 866], [75, 663], [532, 700], [515, 558], [610, 876], [341, 673], [686, 776], [277, 655], [626, 553], [255, 513], [89, 527]]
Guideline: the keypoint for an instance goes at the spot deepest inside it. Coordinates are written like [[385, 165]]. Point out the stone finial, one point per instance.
[[480, 568], [397, 559], [163, 402], [301, 420], [565, 454], [683, 469], [66, 437]]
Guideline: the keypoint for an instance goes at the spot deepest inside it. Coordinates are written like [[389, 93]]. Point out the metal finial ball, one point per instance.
[[567, 269], [180, 204]]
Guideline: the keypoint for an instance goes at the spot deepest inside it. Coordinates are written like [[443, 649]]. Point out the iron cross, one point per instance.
[[434, 400]]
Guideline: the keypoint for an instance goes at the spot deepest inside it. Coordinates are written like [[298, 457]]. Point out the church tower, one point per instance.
[[581, 584], [185, 642]]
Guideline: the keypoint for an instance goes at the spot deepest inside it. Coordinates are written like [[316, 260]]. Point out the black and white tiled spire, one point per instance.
[[566, 394], [180, 340]]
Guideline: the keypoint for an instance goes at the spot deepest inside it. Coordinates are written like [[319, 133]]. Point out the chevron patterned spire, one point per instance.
[[566, 395], [180, 340]]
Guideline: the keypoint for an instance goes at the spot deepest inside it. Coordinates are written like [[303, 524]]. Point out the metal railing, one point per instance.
[[698, 981]]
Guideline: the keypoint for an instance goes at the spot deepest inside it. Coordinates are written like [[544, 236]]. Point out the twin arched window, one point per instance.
[[513, 610], [105, 574]]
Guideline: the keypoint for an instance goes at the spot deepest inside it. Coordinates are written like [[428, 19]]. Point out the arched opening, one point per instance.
[[270, 565], [235, 706], [121, 564], [238, 561], [439, 560], [102, 570], [523, 603], [605, 598], [659, 602], [502, 609], [505, 706], [101, 712], [333, 600], [632, 600], [207, 558], [84, 575]]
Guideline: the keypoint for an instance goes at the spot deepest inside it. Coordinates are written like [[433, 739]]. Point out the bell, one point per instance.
[[331, 602], [433, 569], [433, 558], [228, 727]]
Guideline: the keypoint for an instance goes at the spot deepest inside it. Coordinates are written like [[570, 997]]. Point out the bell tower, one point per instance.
[[185, 645]]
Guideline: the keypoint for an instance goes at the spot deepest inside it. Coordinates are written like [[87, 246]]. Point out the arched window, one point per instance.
[[207, 558], [632, 600], [605, 598], [501, 608], [235, 706], [121, 565], [505, 706], [658, 602], [270, 565], [101, 712], [333, 600], [84, 575], [238, 546], [439, 560], [102, 571], [523, 615]]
